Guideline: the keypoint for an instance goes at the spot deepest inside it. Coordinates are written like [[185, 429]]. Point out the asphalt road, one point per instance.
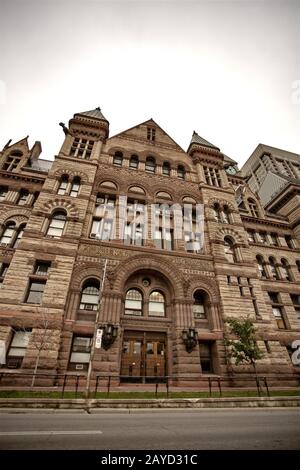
[[153, 429]]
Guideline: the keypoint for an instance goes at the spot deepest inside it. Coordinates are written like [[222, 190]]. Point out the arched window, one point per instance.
[[261, 266], [118, 159], [199, 306], [134, 162], [150, 165], [163, 195], [225, 215], [13, 160], [156, 304], [166, 170], [57, 224], [23, 197], [20, 232], [89, 299], [181, 172], [253, 208], [217, 213], [286, 270], [273, 267], [62, 189], [75, 187], [229, 250], [3, 193], [133, 302], [8, 234]]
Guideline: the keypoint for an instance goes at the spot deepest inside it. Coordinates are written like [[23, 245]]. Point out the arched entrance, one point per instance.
[[146, 318]]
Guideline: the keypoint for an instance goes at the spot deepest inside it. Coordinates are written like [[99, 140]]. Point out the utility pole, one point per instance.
[[89, 374]]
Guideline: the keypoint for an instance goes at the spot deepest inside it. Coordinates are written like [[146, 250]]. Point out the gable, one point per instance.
[[139, 133]]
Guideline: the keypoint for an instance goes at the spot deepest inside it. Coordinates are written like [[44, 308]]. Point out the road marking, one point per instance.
[[47, 433]]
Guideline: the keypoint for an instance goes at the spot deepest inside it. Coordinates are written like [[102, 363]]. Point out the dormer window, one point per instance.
[[151, 133], [12, 160]]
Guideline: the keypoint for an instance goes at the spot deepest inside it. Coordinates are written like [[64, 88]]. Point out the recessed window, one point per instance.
[[289, 241], [206, 360], [8, 234], [212, 176], [156, 304], [251, 238], [12, 161], [90, 296], [3, 193], [199, 307], [134, 162], [63, 185], [286, 270], [181, 172], [118, 159], [151, 133], [229, 250], [166, 170], [253, 208], [57, 224], [3, 270], [82, 148], [133, 302], [17, 349], [80, 352], [42, 268], [274, 239], [274, 269], [261, 267], [75, 187], [150, 165], [23, 197], [35, 292]]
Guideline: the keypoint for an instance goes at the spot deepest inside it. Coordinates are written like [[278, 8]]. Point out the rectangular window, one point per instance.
[[277, 312], [274, 239], [35, 292], [3, 269], [82, 148], [295, 298], [17, 349], [262, 237], [206, 357], [151, 133], [42, 268], [74, 190], [80, 353], [212, 176]]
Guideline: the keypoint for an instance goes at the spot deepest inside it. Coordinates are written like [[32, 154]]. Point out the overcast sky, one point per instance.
[[223, 68]]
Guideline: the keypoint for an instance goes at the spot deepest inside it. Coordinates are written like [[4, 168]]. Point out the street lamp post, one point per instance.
[[93, 347]]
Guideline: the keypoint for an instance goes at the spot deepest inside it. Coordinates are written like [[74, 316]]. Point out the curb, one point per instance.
[[91, 405]]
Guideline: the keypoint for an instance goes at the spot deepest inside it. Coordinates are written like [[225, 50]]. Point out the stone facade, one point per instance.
[[57, 257]]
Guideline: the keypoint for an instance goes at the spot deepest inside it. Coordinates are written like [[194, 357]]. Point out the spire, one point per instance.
[[196, 139], [93, 113]]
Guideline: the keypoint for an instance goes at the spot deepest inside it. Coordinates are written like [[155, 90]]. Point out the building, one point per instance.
[[70, 224]]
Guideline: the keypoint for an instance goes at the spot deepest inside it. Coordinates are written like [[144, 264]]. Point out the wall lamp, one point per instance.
[[110, 332], [190, 339]]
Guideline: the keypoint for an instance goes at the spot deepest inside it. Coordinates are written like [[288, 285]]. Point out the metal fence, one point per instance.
[[76, 384]]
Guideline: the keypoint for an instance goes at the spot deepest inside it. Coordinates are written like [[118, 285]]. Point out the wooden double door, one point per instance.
[[143, 357]]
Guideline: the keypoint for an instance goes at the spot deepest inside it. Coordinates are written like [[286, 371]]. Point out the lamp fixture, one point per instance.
[[190, 339]]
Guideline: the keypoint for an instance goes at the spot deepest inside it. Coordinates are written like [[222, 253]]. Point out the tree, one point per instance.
[[41, 337], [243, 348]]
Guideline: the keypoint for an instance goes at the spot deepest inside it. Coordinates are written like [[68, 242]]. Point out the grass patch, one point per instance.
[[147, 395]]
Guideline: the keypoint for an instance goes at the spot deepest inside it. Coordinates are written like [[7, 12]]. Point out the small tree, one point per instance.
[[42, 336], [243, 348]]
